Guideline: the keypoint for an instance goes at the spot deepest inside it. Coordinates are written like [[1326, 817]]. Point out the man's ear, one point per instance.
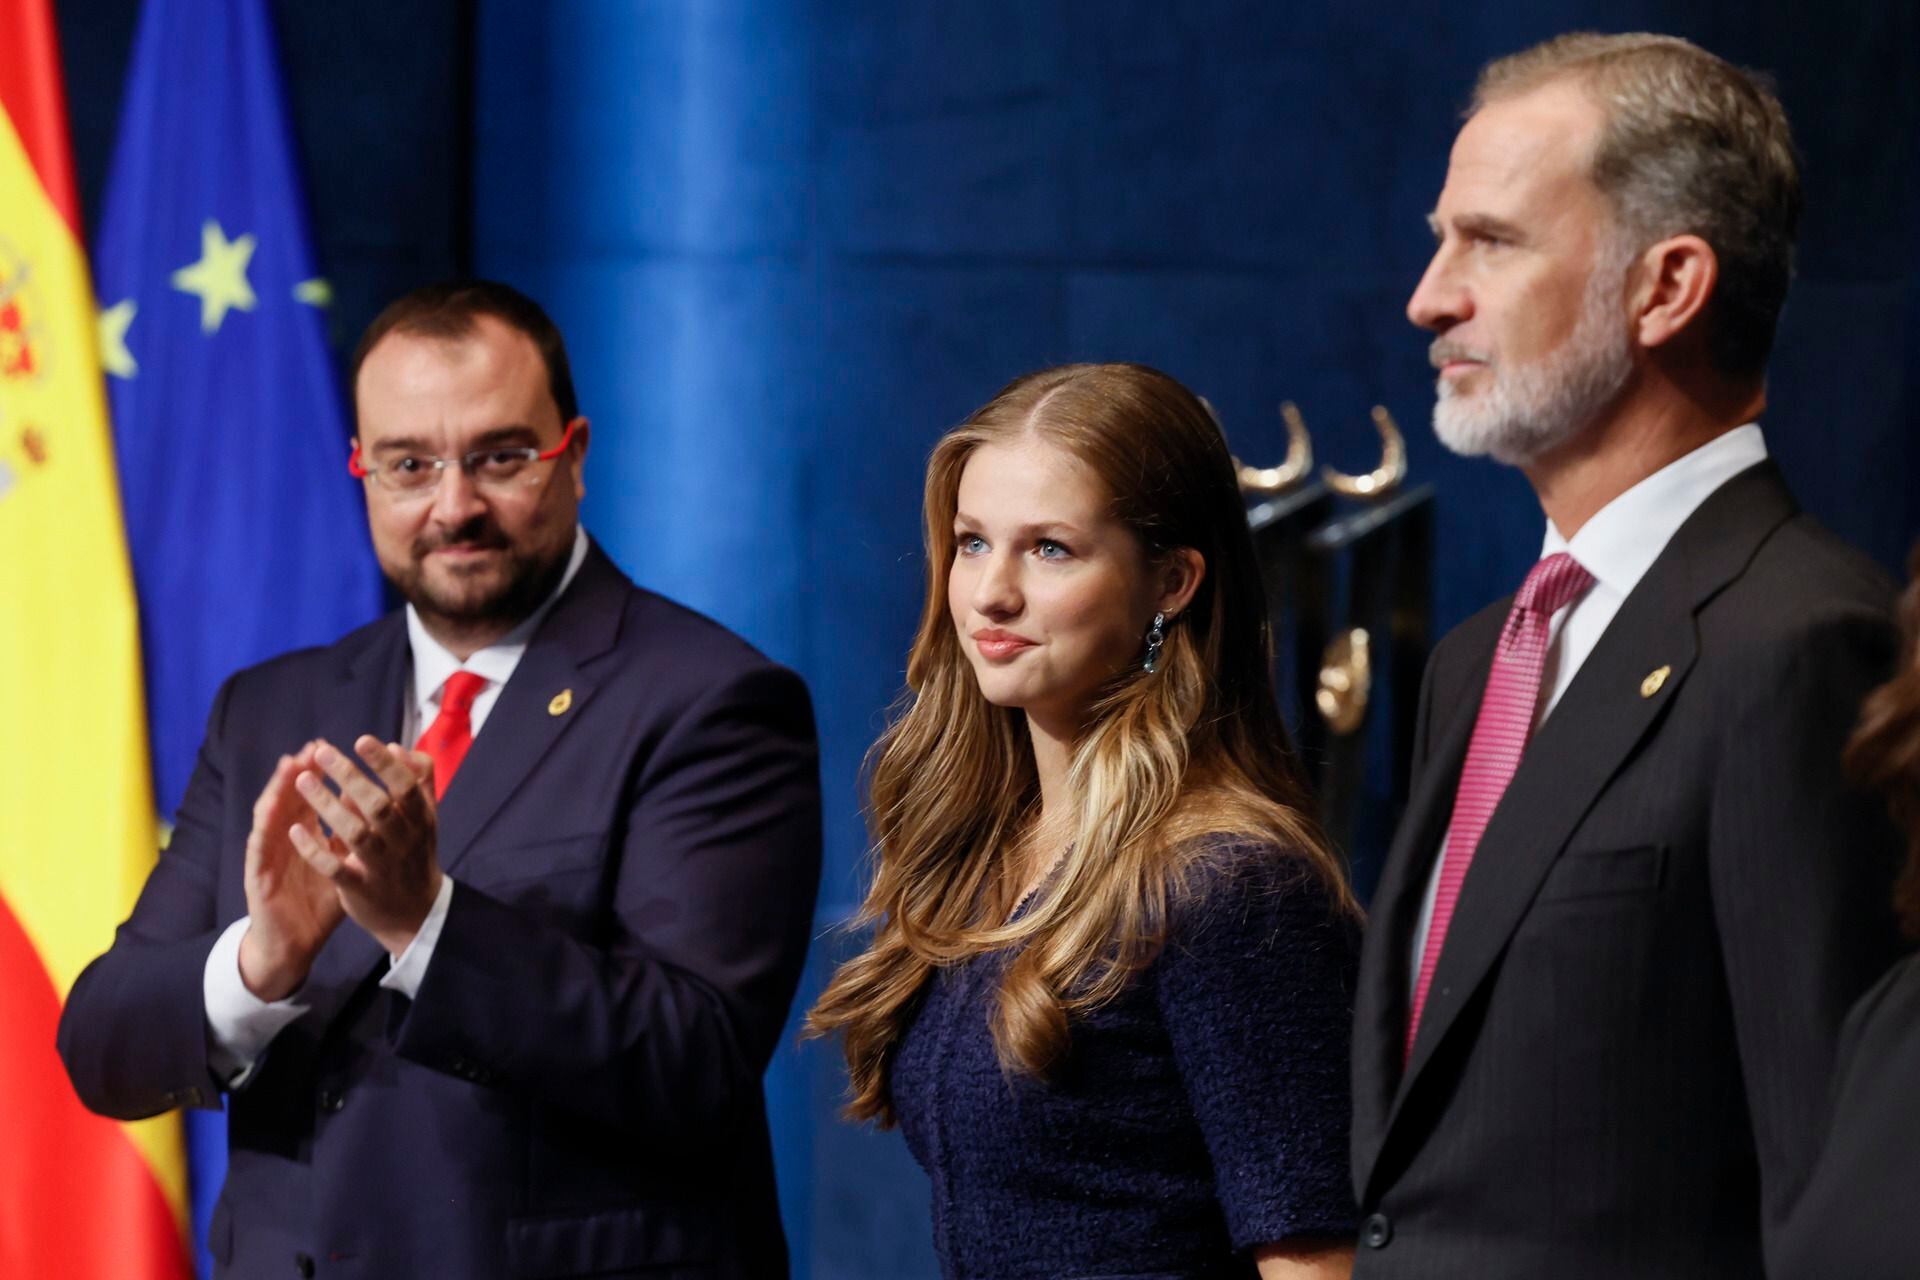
[[1180, 576], [577, 456], [1678, 276]]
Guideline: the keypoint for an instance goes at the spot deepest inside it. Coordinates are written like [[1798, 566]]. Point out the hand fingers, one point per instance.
[[275, 789], [331, 809], [422, 766], [366, 796], [330, 859], [314, 852], [388, 764]]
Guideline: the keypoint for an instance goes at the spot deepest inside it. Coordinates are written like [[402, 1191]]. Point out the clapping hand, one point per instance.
[[380, 858], [291, 910]]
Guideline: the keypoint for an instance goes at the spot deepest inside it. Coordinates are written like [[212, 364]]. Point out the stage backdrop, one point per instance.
[[790, 242]]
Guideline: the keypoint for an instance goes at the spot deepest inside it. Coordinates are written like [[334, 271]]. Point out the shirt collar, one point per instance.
[[1623, 539], [432, 663]]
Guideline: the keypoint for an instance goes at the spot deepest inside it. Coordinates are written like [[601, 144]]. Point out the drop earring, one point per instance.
[[1156, 636]]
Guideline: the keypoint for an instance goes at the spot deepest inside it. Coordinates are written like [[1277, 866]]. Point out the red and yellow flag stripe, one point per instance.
[[81, 1197]]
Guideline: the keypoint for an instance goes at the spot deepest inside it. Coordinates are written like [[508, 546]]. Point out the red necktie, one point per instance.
[[1499, 737], [451, 732]]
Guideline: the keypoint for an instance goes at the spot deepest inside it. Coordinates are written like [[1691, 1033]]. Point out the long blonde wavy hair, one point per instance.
[[1196, 749]]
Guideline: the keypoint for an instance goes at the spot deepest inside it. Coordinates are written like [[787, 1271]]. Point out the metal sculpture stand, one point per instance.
[[1382, 551], [1389, 552]]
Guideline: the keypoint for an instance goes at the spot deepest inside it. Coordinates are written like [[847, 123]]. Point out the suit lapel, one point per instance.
[[521, 728], [1596, 727], [539, 703], [1380, 1013]]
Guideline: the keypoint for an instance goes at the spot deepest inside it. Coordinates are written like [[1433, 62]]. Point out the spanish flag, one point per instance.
[[81, 1197]]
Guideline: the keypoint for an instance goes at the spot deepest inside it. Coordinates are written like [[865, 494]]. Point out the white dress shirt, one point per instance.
[[240, 1025], [1617, 546]]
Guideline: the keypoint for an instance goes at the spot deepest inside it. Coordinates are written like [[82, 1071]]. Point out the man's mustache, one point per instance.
[[1444, 352], [478, 532]]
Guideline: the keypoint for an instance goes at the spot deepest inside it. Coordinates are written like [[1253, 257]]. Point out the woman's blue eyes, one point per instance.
[[972, 544]]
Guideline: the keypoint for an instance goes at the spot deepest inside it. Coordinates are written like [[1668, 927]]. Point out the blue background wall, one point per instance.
[[791, 241]]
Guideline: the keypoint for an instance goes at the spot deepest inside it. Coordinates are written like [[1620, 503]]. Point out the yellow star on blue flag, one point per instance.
[[219, 279], [114, 323]]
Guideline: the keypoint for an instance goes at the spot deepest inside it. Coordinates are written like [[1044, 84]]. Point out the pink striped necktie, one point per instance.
[[1499, 737]]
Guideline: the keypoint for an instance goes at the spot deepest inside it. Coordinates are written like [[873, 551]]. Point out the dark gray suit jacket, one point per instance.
[[576, 1088], [1623, 1061], [1856, 1218]]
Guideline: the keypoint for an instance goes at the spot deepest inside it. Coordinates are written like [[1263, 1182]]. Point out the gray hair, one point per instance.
[[1692, 145]]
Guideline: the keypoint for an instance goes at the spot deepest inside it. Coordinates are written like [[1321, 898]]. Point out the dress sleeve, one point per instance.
[[1255, 988]]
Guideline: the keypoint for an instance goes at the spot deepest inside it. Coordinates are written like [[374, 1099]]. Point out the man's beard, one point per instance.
[[1532, 408], [528, 577]]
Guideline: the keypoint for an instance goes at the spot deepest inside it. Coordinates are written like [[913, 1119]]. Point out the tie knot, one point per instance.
[[1555, 582], [457, 695]]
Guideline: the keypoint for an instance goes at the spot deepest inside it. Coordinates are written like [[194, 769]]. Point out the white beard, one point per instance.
[[1532, 408]]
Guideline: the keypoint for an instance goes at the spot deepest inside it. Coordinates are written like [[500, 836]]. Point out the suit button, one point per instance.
[[304, 1265], [1376, 1231], [332, 1100]]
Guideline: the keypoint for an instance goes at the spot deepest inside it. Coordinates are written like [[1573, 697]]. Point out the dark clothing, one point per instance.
[[1201, 1112], [576, 1088], [1856, 1218], [1624, 1059]]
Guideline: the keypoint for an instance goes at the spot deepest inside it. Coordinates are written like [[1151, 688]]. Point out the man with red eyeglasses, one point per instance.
[[484, 921]]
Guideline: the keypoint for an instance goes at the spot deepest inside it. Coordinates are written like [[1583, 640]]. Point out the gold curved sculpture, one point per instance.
[[1298, 464], [1346, 680], [1383, 479]]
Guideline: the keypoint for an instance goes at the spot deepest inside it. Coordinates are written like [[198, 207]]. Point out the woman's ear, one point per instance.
[[1181, 574]]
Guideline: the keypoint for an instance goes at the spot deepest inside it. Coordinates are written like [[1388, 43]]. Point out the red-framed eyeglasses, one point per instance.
[[497, 468]]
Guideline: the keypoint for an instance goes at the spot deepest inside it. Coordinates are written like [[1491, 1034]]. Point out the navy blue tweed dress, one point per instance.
[[1201, 1113]]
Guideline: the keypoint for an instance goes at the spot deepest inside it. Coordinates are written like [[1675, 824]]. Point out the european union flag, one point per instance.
[[248, 537]]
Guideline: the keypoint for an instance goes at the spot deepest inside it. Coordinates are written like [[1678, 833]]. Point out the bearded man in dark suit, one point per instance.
[[484, 919], [1632, 896]]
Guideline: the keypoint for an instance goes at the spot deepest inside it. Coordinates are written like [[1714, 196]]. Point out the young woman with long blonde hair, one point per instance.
[[1107, 991]]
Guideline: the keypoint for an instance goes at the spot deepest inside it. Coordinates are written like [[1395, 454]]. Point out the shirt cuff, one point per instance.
[[411, 968], [240, 1025]]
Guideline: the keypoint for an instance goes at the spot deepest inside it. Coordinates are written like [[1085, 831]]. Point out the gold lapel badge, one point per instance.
[[564, 699], [1655, 678]]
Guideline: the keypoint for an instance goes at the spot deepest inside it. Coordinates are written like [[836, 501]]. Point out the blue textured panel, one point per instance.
[[1842, 422], [944, 130], [679, 482], [658, 128]]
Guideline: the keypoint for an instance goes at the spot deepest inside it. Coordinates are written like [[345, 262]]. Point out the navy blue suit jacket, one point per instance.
[[576, 1088]]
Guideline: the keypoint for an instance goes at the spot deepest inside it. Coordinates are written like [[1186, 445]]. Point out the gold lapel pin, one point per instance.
[[1649, 686], [564, 699]]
